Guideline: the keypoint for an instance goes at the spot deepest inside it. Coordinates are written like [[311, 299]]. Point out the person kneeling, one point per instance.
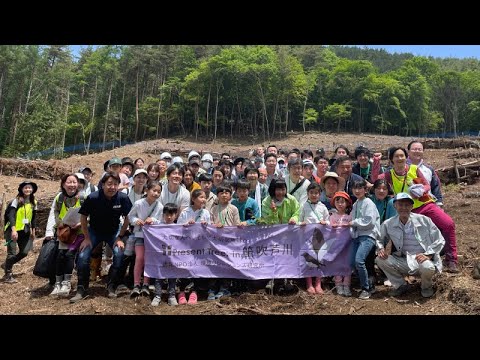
[[417, 242]]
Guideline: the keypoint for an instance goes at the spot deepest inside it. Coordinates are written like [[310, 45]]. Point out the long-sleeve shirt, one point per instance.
[[142, 210], [426, 233], [197, 215], [313, 213], [385, 208], [248, 210], [288, 209], [366, 219], [225, 215]]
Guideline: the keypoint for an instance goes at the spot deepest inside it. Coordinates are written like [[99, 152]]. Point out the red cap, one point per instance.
[[342, 194]]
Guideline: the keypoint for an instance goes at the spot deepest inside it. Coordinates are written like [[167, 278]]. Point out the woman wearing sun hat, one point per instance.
[[20, 226], [330, 183]]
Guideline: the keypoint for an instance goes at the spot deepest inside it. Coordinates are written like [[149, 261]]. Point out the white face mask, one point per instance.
[[206, 165]]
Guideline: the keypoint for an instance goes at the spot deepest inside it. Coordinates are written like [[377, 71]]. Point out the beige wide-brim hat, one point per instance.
[[333, 175]]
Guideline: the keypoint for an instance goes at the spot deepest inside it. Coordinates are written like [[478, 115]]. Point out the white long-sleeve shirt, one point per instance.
[[313, 213], [197, 215], [142, 210]]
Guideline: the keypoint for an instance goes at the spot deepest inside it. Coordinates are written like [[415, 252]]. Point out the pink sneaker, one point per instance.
[[182, 300], [192, 299]]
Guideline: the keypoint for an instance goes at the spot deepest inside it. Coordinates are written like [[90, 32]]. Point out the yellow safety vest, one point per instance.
[[400, 184], [64, 209], [24, 212]]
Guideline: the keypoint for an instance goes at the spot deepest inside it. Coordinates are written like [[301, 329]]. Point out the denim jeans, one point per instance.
[[83, 265], [362, 246]]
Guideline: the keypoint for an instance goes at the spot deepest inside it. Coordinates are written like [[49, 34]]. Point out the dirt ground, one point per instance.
[[455, 293]]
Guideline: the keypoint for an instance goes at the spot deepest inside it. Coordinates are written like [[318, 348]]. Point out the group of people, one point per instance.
[[394, 213]]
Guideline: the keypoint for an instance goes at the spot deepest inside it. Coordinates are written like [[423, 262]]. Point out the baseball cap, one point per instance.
[[86, 168], [115, 161], [207, 157], [194, 161], [403, 196], [165, 155], [177, 159], [193, 153], [80, 176], [140, 171], [308, 162]]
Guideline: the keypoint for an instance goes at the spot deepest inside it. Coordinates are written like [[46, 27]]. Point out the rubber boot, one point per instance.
[[310, 288], [318, 285], [95, 268], [57, 286]]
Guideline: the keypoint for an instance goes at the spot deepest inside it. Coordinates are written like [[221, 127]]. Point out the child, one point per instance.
[[314, 212], [170, 211], [384, 203], [279, 208], [223, 214], [206, 184], [195, 213], [20, 227], [343, 204], [365, 228], [144, 211], [247, 207]]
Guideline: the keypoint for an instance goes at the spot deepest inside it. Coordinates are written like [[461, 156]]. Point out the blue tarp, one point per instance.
[[75, 149]]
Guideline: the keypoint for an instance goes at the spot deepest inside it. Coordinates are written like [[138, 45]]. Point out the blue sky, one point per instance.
[[456, 51]]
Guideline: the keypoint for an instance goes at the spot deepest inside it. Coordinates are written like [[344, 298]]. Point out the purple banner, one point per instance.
[[252, 252]]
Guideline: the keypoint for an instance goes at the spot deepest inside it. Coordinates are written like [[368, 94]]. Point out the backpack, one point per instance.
[[61, 198], [6, 221]]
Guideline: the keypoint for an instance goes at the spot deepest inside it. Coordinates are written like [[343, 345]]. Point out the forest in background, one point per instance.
[[50, 98]]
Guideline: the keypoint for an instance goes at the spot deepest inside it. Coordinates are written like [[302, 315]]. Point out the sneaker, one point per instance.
[[211, 295], [387, 283], [112, 294], [80, 295], [65, 288], [145, 290], [156, 301], [452, 268], [402, 289], [9, 279], [428, 292], [364, 295], [172, 300], [182, 300], [346, 291], [135, 292], [269, 285], [340, 290], [122, 288], [222, 292], [56, 289], [192, 299]]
